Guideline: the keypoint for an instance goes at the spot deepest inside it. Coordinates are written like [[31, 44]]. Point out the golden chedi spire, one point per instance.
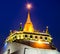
[[28, 27], [28, 17]]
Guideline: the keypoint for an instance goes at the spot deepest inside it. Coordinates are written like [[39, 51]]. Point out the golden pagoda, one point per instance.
[[29, 41], [29, 35], [28, 25]]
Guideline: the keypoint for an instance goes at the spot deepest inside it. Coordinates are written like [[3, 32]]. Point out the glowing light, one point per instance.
[[42, 42], [39, 42], [29, 6], [18, 37]]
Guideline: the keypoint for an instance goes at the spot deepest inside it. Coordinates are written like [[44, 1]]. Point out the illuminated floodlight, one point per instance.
[[42, 42]]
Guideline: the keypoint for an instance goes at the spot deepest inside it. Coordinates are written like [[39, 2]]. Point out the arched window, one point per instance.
[[31, 36], [45, 38], [41, 38], [15, 37], [36, 37], [26, 36]]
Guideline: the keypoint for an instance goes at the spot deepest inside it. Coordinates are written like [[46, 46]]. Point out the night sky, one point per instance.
[[44, 13]]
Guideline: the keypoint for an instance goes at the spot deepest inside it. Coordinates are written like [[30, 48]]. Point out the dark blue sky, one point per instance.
[[43, 13]]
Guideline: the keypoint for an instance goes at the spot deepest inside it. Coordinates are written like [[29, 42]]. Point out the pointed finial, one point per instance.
[[10, 31], [28, 17], [47, 29], [20, 24], [21, 27]]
